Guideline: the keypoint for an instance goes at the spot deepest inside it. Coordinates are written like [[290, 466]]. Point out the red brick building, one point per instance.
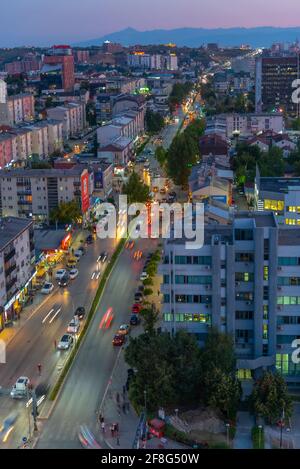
[[62, 55]]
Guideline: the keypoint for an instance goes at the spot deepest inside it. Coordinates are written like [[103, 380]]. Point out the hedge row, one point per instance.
[[90, 316], [258, 438]]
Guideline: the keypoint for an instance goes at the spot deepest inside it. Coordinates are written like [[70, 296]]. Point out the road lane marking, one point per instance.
[[46, 317], [53, 317]]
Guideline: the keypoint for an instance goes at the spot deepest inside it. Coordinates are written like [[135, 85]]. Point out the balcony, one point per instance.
[[11, 283], [10, 269], [24, 202], [24, 192], [9, 255]]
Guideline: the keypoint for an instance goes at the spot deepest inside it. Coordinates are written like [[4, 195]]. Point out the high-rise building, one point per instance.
[[274, 78], [245, 281], [58, 68], [171, 62]]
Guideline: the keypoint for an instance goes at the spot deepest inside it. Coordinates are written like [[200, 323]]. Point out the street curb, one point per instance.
[[64, 381]]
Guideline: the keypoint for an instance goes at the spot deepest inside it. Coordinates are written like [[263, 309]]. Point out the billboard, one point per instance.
[[85, 197]]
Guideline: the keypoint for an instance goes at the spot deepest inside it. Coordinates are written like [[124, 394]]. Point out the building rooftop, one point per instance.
[[46, 240], [19, 172], [281, 185], [10, 228]]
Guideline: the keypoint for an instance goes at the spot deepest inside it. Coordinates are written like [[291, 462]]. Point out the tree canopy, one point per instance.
[[154, 121], [270, 397], [136, 190], [66, 212]]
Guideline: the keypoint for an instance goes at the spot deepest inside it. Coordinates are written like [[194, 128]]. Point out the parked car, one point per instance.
[[118, 340], [73, 273], [60, 273], [65, 342], [124, 329], [144, 276], [74, 326], [138, 297], [72, 262], [136, 308], [141, 288], [135, 320], [80, 312], [47, 288], [78, 254]]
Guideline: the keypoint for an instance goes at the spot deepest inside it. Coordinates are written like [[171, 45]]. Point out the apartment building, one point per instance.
[[73, 117], [17, 264], [245, 281], [250, 124], [19, 143], [17, 109], [35, 192], [273, 89], [58, 68], [3, 92], [279, 195]]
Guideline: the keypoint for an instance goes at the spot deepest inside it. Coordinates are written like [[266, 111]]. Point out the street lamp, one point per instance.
[[259, 436], [227, 432]]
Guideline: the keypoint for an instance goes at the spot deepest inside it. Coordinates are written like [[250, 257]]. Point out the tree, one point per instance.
[[154, 121], [148, 292], [270, 396], [136, 190], [155, 375], [161, 155], [150, 318], [223, 392], [218, 352], [272, 163], [91, 113], [178, 94], [66, 212], [181, 157]]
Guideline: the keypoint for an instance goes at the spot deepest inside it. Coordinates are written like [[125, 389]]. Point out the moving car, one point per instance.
[[73, 273], [103, 257], [135, 320], [60, 273], [47, 288], [65, 342], [124, 329], [118, 340], [74, 326], [80, 313], [64, 281], [96, 274], [89, 239], [87, 439], [20, 388]]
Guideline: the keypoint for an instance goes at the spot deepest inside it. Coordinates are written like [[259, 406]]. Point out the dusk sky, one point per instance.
[[42, 22]]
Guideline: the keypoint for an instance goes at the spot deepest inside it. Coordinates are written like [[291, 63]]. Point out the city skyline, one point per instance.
[[76, 23]]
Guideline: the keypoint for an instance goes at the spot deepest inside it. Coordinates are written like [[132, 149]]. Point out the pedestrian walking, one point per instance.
[[103, 427], [118, 441], [112, 430], [124, 390], [39, 369], [117, 427]]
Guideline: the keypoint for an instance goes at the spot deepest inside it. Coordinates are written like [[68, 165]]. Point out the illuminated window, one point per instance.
[[265, 331], [266, 273], [275, 205]]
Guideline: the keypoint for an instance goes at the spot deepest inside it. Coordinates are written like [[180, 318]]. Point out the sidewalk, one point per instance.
[[243, 439]]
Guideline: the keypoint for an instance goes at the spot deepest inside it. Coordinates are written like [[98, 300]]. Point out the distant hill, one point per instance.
[[195, 37]]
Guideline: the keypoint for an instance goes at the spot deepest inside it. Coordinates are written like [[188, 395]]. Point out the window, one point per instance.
[[244, 257], [286, 261], [266, 312], [274, 205], [196, 260], [244, 315], [166, 279], [193, 280], [266, 293], [265, 331], [266, 273], [244, 277], [289, 281], [166, 299], [288, 300], [204, 299], [244, 296], [243, 235]]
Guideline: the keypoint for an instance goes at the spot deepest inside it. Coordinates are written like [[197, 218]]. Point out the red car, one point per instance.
[[118, 340], [136, 309]]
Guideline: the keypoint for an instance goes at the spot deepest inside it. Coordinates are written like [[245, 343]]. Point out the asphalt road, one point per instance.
[[34, 343], [86, 383]]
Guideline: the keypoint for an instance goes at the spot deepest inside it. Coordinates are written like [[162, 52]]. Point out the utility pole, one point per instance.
[[281, 427]]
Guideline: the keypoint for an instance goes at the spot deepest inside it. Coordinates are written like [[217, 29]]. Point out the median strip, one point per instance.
[[59, 383]]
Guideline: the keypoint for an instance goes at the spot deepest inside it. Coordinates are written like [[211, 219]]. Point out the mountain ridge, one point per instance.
[[261, 36]]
